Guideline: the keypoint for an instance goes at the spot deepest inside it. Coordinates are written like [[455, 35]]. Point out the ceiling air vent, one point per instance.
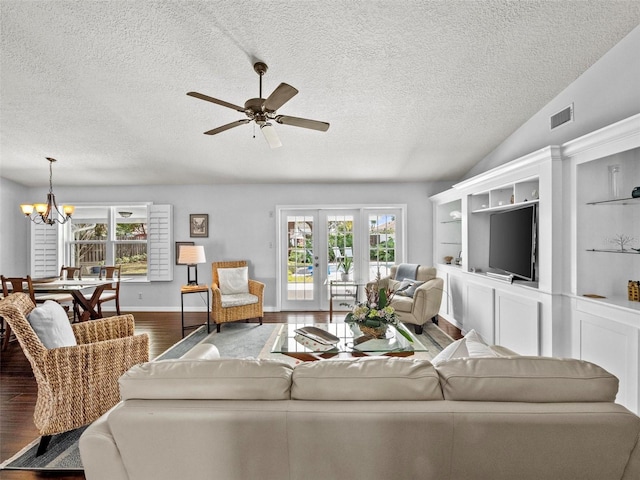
[[563, 116]]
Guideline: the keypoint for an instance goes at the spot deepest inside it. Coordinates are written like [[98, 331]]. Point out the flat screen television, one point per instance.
[[512, 242]]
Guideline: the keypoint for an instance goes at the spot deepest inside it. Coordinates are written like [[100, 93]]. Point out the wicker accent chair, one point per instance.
[[77, 384], [222, 313]]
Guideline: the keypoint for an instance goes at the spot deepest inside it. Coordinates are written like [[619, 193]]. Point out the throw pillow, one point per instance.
[[471, 345], [233, 280], [401, 286], [457, 349], [477, 347], [51, 324], [410, 289]]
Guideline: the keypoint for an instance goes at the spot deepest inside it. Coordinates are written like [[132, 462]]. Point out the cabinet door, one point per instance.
[[479, 311], [518, 323], [457, 298], [614, 347]]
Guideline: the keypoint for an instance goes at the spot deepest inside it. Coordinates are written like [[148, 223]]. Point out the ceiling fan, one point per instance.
[[262, 110]]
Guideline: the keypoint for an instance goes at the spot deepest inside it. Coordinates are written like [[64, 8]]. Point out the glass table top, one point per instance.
[[350, 340]]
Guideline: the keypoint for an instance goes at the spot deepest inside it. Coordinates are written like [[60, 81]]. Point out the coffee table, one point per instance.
[[352, 343]]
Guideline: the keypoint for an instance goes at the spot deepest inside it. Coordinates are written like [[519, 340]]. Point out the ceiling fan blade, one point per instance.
[[227, 126], [270, 135], [281, 95], [302, 122], [216, 101]]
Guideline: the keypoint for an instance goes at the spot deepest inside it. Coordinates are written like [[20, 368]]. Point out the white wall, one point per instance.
[[240, 225], [606, 93], [14, 229]]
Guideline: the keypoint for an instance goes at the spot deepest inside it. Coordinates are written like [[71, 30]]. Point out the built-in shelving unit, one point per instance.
[[506, 197], [579, 307]]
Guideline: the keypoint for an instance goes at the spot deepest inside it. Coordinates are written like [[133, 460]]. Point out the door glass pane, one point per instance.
[[299, 257], [340, 247], [382, 244]]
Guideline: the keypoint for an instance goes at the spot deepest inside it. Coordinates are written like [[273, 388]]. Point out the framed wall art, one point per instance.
[[178, 245], [199, 225]]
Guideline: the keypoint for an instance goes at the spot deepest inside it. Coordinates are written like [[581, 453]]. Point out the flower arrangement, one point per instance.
[[374, 315]]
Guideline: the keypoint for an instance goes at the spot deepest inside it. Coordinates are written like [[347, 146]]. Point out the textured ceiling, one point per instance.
[[414, 90]]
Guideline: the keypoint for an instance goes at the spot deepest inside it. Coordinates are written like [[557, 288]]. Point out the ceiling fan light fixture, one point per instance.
[[270, 135]]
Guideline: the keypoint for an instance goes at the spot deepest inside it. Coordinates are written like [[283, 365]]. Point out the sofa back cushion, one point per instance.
[[526, 379], [221, 379], [381, 378]]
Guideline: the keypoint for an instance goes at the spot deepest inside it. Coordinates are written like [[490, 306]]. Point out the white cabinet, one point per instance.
[[479, 311], [518, 323], [610, 338]]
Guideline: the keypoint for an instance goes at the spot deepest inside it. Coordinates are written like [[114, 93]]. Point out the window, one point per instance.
[[138, 237], [109, 235]]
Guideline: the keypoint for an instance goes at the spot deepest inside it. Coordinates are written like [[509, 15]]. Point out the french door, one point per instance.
[[318, 245]]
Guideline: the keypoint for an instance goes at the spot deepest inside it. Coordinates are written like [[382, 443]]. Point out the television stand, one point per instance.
[[505, 277]]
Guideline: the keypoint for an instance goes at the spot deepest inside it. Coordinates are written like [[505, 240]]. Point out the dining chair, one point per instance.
[[72, 273], [69, 273], [17, 285], [111, 292]]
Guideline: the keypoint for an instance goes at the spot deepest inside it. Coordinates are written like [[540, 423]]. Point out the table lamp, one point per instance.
[[191, 255]]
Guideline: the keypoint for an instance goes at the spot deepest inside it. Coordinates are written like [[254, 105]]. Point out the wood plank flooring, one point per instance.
[[18, 389]]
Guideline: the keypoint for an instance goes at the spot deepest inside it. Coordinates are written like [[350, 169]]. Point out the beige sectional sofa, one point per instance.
[[374, 418]]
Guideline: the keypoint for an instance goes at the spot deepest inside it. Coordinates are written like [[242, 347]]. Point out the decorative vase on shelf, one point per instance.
[[614, 182]]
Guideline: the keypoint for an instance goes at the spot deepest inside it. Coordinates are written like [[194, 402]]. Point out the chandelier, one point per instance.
[[48, 213]]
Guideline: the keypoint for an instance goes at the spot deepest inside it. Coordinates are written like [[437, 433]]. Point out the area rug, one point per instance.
[[236, 340]]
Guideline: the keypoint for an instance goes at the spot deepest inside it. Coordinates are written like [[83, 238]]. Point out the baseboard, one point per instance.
[[172, 308]]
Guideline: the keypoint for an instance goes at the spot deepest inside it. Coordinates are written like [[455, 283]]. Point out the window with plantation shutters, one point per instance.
[[159, 243], [136, 236], [45, 250]]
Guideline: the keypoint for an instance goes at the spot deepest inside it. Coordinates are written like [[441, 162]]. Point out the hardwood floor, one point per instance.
[[18, 387]]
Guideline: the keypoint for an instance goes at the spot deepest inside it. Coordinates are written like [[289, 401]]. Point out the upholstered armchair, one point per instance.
[[415, 302], [76, 384], [235, 296]]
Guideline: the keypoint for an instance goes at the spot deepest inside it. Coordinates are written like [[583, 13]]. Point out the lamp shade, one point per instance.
[[191, 255]]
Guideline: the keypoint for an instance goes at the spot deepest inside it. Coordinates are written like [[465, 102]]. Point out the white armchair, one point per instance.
[[420, 303]]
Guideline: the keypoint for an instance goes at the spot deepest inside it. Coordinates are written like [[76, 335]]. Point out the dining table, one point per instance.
[[75, 288]]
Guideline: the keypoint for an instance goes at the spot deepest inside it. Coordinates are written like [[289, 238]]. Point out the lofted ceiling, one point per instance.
[[413, 90]]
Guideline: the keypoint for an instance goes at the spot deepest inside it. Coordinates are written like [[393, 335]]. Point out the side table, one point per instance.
[[342, 290], [185, 290]]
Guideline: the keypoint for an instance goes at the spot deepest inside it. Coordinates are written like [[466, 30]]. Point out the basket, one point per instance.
[[375, 332]]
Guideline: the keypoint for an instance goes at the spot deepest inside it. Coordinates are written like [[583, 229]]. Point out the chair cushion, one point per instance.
[[402, 304], [238, 300], [373, 378], [233, 280], [51, 324]]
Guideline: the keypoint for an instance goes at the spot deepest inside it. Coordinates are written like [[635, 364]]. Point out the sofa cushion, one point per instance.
[[233, 280], [526, 379], [221, 379], [51, 324], [375, 378]]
